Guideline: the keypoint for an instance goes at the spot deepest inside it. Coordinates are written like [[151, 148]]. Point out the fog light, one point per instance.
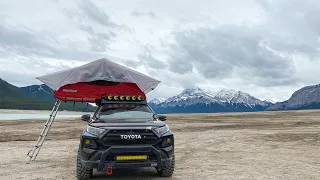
[[166, 142], [89, 143], [86, 141]]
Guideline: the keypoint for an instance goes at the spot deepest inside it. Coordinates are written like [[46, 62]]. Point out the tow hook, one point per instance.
[[109, 170]]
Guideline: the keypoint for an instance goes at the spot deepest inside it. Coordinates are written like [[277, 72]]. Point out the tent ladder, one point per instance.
[[35, 151]]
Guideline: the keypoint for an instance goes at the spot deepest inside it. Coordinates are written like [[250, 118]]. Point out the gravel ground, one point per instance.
[[268, 145]]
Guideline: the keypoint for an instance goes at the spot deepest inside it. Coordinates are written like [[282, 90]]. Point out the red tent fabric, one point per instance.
[[89, 91]]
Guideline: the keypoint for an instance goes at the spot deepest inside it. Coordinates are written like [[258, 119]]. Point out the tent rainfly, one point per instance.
[[89, 82], [98, 78]]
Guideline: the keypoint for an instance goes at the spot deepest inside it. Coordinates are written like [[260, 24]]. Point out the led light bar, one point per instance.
[[120, 99], [123, 98], [131, 158]]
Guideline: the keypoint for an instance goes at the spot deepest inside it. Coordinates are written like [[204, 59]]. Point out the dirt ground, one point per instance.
[[268, 145]]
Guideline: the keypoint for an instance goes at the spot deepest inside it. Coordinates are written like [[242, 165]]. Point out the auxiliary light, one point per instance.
[[124, 98]]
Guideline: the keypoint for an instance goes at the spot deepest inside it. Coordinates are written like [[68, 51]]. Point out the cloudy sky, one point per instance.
[[268, 48]]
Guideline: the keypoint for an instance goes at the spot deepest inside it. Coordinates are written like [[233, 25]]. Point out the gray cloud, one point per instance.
[[293, 26], [18, 79], [259, 54], [93, 13], [24, 71], [131, 63], [89, 18], [90, 13], [100, 41], [128, 62], [222, 52], [146, 58], [24, 41], [93, 20], [149, 14]]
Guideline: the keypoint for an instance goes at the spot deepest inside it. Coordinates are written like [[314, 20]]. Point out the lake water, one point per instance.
[[16, 116]]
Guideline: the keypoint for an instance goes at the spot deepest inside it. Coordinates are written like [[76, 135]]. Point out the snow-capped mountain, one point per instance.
[[245, 98], [305, 98], [226, 95], [45, 93], [189, 97], [199, 100], [158, 100], [270, 101], [39, 91]]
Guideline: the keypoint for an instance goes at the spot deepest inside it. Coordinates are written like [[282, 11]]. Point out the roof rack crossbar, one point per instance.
[[104, 101]]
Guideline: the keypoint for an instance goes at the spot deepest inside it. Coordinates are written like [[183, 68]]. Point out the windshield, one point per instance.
[[124, 111]]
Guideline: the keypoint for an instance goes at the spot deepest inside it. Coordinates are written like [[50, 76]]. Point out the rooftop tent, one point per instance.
[[96, 79]]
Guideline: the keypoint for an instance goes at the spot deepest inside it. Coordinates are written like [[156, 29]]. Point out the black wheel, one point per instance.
[[83, 173], [167, 170]]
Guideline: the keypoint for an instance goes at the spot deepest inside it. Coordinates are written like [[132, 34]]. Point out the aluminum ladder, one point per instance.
[[35, 151]]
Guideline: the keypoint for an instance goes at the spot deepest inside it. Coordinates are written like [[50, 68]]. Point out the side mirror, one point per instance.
[[162, 118], [86, 117], [155, 116]]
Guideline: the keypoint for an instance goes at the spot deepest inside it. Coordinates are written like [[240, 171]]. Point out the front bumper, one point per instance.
[[100, 159]]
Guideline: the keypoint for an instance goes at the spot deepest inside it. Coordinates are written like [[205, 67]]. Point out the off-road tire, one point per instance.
[[167, 170], [83, 173]]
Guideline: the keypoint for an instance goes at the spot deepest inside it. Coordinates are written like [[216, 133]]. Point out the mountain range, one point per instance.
[[305, 98], [197, 100], [35, 97], [192, 100]]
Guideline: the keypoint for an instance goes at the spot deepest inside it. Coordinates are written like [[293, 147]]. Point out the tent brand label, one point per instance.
[[70, 90], [130, 136]]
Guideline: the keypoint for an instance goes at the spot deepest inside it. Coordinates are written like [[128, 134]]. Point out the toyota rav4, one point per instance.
[[125, 134]]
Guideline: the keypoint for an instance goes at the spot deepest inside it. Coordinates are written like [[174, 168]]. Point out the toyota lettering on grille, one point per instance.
[[130, 136]]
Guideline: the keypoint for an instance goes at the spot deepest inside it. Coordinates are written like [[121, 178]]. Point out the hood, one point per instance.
[[137, 123]]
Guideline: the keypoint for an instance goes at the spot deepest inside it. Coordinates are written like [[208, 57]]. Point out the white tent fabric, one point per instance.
[[101, 69]]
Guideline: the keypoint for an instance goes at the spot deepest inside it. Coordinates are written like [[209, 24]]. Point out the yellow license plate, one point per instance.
[[131, 158]]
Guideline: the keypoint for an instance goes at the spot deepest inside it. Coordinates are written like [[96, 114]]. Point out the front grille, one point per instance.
[[114, 137]]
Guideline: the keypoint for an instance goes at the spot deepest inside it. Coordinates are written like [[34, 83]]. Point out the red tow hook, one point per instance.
[[109, 170]]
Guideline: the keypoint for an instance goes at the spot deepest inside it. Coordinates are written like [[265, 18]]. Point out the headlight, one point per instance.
[[94, 131], [162, 130]]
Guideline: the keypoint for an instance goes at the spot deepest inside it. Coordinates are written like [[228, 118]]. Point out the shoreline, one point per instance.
[[16, 115], [18, 111]]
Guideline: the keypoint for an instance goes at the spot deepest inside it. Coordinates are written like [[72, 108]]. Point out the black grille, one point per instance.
[[114, 137]]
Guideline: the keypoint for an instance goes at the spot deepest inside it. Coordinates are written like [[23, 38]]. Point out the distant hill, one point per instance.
[[9, 92], [305, 98], [45, 93], [42, 92], [196, 100], [12, 97]]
